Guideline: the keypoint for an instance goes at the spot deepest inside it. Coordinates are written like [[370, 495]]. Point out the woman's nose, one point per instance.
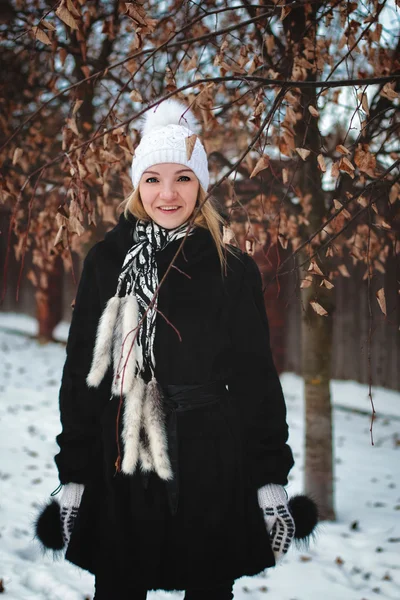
[[168, 193]]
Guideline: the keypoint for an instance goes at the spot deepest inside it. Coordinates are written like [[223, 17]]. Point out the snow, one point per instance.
[[355, 558]]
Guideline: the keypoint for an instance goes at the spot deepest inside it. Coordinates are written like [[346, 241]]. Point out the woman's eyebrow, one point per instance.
[[176, 172]]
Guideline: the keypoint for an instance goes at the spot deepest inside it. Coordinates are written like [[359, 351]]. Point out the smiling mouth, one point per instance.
[[169, 209]]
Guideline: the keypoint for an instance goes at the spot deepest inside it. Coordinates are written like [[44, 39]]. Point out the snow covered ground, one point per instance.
[[356, 558]]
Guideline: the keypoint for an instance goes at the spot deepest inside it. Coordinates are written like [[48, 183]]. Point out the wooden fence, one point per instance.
[[352, 325], [355, 332]]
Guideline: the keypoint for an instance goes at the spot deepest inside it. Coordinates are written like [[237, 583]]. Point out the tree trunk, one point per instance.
[[316, 330], [49, 302], [316, 369], [273, 298]]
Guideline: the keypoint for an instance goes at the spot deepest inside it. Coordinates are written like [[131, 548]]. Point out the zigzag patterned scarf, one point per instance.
[[125, 336]]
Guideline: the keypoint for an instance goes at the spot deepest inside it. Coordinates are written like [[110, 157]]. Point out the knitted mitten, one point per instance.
[[69, 505], [273, 502]]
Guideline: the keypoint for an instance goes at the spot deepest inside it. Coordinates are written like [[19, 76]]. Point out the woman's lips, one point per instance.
[[169, 210]]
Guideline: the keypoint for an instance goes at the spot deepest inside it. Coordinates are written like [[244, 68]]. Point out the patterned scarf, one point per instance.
[[125, 336], [139, 276]]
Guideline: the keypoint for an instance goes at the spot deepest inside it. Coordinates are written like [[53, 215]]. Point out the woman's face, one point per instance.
[[169, 193]]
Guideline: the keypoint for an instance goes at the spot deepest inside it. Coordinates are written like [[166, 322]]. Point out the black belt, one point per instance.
[[181, 398]]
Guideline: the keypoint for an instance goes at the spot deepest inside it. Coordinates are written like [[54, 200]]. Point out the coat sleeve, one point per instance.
[[80, 406], [255, 385]]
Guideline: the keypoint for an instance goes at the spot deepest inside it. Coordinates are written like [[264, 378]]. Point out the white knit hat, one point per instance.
[[165, 130]]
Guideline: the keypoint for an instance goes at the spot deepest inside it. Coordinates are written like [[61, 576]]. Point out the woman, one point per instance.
[[173, 452]]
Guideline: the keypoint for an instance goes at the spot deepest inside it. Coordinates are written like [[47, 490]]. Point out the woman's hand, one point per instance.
[[69, 504], [272, 500]]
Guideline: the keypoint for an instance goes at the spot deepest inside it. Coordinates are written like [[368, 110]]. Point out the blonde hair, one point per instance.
[[207, 217]]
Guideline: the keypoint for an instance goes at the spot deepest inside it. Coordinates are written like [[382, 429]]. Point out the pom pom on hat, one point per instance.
[[165, 131], [170, 112]]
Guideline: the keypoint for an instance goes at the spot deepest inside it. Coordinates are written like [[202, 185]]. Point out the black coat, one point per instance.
[[227, 450]]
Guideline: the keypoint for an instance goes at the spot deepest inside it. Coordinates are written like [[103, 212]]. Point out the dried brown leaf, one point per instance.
[[48, 25], [321, 163], [228, 235], [314, 268], [388, 92], [335, 96], [339, 206], [303, 153], [343, 270], [75, 226], [82, 170], [63, 55], [191, 64], [394, 193], [270, 43], [73, 9], [379, 267], [319, 309], [291, 99], [329, 251], [85, 70], [135, 96], [60, 237], [346, 166], [314, 112], [72, 125], [327, 284], [288, 136], [41, 36], [217, 60], [256, 62], [249, 246], [32, 277], [259, 109], [362, 201], [63, 13], [290, 116], [335, 170], [363, 98], [108, 156], [136, 12], [262, 163], [190, 144], [18, 152], [285, 11], [306, 282], [342, 149], [285, 148], [170, 83], [127, 152], [283, 241], [380, 296], [364, 160], [385, 225], [77, 106]]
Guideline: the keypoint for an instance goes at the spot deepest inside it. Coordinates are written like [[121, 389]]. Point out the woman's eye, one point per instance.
[[184, 178], [151, 179]]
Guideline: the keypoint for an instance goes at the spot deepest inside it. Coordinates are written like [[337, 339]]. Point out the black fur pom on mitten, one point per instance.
[[305, 514], [48, 527]]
